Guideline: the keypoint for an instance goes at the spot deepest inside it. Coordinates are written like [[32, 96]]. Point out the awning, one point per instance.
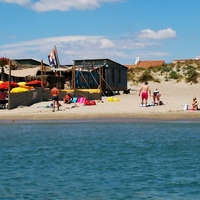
[[68, 69], [25, 72]]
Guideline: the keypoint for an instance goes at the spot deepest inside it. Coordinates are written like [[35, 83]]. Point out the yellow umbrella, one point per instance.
[[19, 89], [21, 83], [27, 87]]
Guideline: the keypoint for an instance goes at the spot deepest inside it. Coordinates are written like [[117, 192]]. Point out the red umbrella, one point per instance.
[[4, 85], [35, 83]]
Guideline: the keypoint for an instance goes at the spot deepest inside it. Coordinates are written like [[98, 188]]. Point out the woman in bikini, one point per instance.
[[156, 97]]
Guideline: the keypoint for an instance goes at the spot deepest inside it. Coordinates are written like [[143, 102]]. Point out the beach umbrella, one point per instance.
[[18, 89], [27, 87], [12, 84], [35, 83], [21, 83], [3, 87]]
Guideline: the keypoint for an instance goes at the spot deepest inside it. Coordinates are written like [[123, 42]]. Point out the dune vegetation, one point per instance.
[[187, 71]]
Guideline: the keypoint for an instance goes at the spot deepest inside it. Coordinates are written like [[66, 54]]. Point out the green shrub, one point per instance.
[[192, 77], [146, 76], [166, 68], [178, 68], [174, 75], [190, 67]]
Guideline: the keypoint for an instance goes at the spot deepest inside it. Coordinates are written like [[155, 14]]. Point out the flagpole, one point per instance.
[[58, 62], [57, 57]]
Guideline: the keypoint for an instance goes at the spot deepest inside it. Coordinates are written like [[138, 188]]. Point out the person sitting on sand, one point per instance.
[[194, 104], [156, 97], [3, 97], [67, 98], [144, 91]]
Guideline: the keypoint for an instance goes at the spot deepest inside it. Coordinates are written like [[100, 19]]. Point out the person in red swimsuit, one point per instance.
[[144, 92]]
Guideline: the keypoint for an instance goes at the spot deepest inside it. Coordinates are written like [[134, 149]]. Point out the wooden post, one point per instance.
[[100, 80], [74, 77], [42, 75], [9, 77], [42, 79]]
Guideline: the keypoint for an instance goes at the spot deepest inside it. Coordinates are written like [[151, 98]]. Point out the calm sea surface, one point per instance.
[[100, 161]]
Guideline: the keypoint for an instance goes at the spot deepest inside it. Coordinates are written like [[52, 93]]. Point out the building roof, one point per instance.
[[147, 64], [100, 61], [29, 61]]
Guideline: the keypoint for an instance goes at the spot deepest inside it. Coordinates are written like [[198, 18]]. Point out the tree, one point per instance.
[[3, 62]]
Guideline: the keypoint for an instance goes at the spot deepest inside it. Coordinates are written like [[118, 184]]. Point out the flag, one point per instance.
[[53, 60]]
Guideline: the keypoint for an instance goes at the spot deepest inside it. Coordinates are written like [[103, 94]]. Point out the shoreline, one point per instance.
[[174, 96], [184, 116]]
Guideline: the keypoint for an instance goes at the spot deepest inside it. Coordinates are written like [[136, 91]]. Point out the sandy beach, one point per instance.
[[174, 96]]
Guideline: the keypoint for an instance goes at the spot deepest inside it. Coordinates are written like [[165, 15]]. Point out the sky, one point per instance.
[[119, 30]]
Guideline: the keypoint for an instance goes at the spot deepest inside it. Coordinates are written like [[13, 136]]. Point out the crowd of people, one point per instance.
[[67, 99], [144, 92]]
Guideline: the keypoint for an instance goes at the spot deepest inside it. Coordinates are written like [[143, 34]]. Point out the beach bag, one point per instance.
[[185, 107], [161, 103]]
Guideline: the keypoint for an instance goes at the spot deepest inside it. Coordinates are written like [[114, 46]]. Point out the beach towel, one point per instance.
[[81, 99], [74, 100]]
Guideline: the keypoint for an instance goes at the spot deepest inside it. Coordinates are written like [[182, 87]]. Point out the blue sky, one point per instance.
[[120, 30]]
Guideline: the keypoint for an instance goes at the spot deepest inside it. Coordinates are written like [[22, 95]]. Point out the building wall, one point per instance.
[[114, 75]]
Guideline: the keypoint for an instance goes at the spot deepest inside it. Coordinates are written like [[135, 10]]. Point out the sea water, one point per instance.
[[100, 161]]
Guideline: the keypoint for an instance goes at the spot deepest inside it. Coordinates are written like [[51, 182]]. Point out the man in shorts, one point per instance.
[[144, 92], [55, 97]]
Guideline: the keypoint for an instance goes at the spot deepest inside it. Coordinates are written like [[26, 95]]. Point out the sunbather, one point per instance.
[[67, 98], [194, 104]]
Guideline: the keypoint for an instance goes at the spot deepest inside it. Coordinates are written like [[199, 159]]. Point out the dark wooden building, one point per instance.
[[105, 74]]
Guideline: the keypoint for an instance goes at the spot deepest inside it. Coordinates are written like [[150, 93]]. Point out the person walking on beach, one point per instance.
[[55, 97], [144, 91]]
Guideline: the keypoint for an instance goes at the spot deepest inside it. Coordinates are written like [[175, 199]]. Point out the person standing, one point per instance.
[[144, 92], [55, 97]]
